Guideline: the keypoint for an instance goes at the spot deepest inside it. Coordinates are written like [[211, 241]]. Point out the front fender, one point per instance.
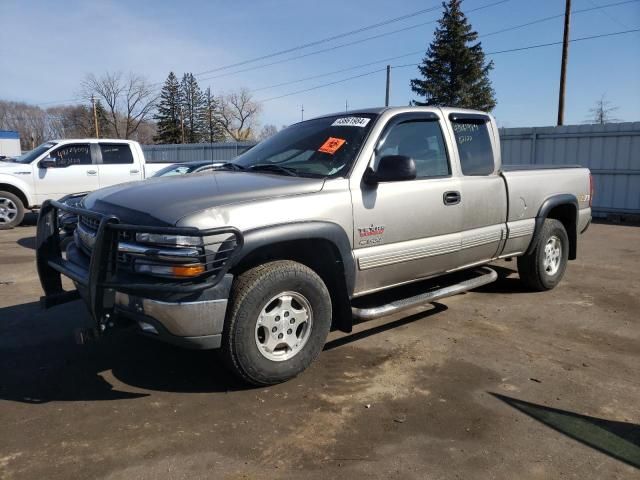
[[332, 232], [20, 184]]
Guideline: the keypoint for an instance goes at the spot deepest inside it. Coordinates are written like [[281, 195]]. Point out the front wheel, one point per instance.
[[11, 210], [544, 267], [278, 321]]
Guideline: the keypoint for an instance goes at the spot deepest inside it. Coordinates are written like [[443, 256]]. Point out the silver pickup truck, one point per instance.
[[301, 234]]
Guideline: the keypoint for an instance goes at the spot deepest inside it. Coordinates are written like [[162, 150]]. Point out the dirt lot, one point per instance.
[[497, 383]]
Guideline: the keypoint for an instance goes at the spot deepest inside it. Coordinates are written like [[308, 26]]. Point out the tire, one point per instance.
[[277, 295], [544, 267], [11, 210]]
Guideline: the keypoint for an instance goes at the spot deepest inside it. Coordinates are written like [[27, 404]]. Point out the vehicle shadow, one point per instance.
[[620, 440], [27, 242], [40, 362], [507, 282], [350, 338]]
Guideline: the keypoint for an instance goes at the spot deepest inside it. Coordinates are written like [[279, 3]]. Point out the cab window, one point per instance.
[[420, 140], [116, 153], [74, 154], [474, 146]]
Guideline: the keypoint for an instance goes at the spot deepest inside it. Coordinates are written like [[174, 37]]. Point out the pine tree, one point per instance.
[[193, 108], [214, 131], [104, 129], [454, 70], [168, 116]]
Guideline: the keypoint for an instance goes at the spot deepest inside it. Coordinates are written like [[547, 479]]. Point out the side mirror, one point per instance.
[[392, 168], [48, 162]]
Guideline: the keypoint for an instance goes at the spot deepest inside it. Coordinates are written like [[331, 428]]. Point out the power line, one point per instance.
[[355, 67], [552, 17], [528, 47], [533, 22], [323, 40], [343, 45]]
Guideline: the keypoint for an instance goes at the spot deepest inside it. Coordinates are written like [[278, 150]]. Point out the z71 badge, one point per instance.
[[371, 235]]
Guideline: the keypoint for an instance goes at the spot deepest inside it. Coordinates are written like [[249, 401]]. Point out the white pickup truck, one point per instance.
[[62, 167]]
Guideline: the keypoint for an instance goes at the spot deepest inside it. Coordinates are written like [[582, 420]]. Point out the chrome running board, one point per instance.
[[487, 275]]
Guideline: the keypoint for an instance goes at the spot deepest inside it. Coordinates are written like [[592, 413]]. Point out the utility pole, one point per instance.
[[346, 106], [95, 115], [563, 65], [302, 113], [182, 123], [386, 95]]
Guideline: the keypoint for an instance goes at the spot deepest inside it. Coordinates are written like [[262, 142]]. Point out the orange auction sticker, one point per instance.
[[332, 145]]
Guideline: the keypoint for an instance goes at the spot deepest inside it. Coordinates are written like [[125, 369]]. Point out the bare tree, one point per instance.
[[602, 112], [239, 114], [267, 131], [30, 121], [129, 100]]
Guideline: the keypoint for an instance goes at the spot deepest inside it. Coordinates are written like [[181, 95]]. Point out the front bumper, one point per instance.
[[188, 313]]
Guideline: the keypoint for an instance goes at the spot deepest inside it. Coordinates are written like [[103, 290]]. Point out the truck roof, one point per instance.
[[110, 140], [417, 108]]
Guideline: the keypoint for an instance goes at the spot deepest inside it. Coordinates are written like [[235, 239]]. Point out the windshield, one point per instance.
[[35, 153], [323, 147]]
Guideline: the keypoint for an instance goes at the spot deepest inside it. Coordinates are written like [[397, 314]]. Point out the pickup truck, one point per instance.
[[62, 167], [313, 229]]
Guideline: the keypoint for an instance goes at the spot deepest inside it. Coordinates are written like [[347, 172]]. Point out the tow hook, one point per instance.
[[86, 335]]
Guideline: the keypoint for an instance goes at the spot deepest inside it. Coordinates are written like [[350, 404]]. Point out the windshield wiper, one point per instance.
[[271, 167], [230, 166]]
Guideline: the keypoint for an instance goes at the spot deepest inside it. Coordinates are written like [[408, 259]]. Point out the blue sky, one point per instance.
[[46, 50]]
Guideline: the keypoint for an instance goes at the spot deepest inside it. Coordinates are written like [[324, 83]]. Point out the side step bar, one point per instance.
[[487, 275]]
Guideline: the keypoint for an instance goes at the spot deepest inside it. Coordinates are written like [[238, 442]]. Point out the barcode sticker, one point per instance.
[[351, 122]]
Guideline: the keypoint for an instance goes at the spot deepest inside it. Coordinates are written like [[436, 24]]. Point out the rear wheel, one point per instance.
[[279, 318], [11, 210], [544, 267]]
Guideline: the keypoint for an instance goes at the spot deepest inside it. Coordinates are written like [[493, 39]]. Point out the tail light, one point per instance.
[[592, 190]]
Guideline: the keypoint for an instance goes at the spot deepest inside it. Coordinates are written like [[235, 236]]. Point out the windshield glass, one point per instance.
[[35, 153], [323, 147]]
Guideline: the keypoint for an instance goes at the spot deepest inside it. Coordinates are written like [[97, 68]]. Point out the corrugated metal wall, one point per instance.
[[611, 151], [194, 151]]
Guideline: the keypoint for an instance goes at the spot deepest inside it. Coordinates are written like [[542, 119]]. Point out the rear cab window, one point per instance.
[[474, 144], [116, 153]]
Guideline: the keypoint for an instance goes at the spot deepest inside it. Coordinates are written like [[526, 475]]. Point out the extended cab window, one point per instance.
[[116, 153], [420, 140], [474, 146], [74, 154]]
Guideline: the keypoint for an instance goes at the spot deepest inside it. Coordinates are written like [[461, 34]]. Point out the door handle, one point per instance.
[[134, 171], [451, 198], [92, 172]]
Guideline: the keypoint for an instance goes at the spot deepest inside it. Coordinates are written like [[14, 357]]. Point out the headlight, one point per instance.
[[169, 240]]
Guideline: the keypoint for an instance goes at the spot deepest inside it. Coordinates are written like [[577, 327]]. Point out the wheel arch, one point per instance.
[[322, 246], [18, 192], [564, 208]]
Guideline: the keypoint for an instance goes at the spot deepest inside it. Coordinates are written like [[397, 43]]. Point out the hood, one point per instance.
[[165, 200], [9, 166]]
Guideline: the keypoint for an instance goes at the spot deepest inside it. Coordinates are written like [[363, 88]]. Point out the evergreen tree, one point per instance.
[[454, 70], [168, 115], [193, 109], [214, 131], [104, 129]]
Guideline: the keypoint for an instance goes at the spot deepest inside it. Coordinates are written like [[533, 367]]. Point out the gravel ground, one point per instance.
[[497, 383]]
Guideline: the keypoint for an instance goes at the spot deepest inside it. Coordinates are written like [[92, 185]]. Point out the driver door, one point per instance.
[[410, 229], [75, 172]]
